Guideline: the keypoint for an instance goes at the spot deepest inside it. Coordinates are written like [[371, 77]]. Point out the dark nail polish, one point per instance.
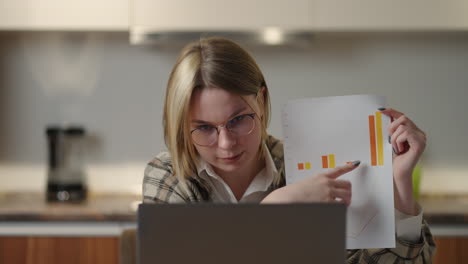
[[390, 139], [381, 108], [356, 163]]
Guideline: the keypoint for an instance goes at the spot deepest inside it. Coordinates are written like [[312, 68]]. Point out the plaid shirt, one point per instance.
[[161, 186]]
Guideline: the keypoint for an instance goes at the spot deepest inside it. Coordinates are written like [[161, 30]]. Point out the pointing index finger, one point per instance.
[[338, 171]]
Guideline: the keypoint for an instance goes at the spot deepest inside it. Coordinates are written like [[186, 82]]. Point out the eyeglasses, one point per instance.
[[207, 135]]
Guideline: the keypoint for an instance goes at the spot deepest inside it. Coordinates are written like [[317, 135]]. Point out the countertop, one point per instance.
[[445, 209], [27, 206], [24, 207]]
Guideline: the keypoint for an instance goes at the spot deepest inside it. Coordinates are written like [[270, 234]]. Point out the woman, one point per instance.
[[216, 113]]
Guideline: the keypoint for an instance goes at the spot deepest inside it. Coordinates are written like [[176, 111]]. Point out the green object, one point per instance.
[[416, 181]]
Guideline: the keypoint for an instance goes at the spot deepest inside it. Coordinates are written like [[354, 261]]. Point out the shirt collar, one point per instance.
[[261, 182]]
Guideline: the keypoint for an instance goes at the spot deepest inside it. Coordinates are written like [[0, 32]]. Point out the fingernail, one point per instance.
[[394, 151], [356, 163], [381, 108], [389, 139]]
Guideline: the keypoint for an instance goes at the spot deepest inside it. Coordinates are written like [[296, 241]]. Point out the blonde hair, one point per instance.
[[209, 62]]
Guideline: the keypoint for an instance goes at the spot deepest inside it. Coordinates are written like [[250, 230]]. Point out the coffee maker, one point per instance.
[[66, 177]]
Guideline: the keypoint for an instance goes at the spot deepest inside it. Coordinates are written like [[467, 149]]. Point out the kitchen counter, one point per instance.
[[97, 208], [101, 215], [445, 209], [108, 214], [122, 207]]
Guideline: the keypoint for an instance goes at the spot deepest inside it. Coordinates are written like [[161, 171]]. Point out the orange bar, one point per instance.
[[324, 162], [300, 166], [372, 141]]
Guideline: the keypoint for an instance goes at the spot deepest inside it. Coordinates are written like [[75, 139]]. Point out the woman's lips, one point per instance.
[[232, 158]]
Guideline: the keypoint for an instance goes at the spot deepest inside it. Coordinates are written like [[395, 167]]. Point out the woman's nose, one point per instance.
[[226, 139]]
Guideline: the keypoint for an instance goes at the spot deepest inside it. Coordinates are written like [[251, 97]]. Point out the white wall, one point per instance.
[[116, 91]]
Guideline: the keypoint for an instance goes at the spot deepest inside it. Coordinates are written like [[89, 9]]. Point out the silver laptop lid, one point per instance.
[[241, 233]]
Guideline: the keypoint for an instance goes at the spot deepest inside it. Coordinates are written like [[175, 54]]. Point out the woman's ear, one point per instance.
[[261, 99], [261, 95]]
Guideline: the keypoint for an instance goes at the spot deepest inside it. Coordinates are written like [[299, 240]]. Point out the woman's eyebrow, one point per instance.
[[238, 111], [197, 121]]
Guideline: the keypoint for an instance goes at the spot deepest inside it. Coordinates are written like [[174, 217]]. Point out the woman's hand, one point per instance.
[[324, 187], [408, 142]]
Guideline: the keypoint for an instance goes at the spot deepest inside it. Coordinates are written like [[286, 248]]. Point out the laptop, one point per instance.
[[241, 233]]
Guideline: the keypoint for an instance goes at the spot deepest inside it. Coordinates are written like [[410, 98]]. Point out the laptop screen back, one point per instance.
[[241, 234]]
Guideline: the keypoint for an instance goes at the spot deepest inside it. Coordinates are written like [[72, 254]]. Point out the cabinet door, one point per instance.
[[13, 250], [395, 15], [64, 15], [313, 15], [187, 15], [452, 250], [55, 250], [446, 250]]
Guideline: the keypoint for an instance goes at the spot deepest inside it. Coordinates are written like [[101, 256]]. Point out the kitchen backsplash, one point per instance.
[[116, 91]]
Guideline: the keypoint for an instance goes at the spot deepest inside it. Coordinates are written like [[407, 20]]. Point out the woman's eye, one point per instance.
[[205, 128], [237, 119]]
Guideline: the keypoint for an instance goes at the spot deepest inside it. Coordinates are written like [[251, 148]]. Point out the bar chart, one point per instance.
[[376, 146]]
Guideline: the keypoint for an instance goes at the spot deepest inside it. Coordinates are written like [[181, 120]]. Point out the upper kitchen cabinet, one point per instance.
[[150, 17], [216, 15], [264, 21], [389, 15], [238, 15], [66, 15]]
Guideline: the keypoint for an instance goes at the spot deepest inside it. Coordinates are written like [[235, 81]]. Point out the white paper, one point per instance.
[[316, 127]]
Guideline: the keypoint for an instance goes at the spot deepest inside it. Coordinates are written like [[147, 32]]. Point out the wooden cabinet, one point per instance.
[[108, 15], [105, 250], [55, 250], [453, 250]]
